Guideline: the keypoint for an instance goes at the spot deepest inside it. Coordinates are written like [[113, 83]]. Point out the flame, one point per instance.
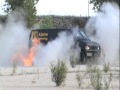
[[28, 61]]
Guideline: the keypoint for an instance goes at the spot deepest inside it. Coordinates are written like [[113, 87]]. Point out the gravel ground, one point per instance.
[[40, 79]]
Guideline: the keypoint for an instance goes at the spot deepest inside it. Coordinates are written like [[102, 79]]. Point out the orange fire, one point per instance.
[[28, 61]]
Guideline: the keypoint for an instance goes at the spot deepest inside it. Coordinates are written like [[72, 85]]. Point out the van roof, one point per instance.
[[52, 29]]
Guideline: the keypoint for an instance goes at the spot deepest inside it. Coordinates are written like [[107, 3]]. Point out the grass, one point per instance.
[[14, 67], [106, 67], [108, 77], [72, 61], [95, 77], [107, 81], [100, 81], [79, 77]]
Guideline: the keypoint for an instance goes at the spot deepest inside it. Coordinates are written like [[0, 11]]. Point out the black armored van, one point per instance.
[[88, 47]]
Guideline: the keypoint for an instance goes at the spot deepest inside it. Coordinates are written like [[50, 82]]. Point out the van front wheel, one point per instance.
[[82, 58]]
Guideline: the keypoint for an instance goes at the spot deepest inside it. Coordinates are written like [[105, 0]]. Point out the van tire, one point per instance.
[[82, 58]]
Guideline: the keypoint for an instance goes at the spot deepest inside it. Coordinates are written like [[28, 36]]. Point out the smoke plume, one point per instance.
[[104, 29], [14, 40], [59, 49]]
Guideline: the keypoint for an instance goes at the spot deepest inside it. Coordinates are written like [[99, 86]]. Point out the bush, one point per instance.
[[14, 67], [106, 68], [59, 71], [72, 61], [107, 81], [108, 77], [95, 77], [79, 78]]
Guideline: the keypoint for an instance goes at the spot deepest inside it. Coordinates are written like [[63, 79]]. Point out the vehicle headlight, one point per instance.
[[87, 47], [98, 48]]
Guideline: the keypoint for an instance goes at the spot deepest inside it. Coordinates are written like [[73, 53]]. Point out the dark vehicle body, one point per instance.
[[88, 47]]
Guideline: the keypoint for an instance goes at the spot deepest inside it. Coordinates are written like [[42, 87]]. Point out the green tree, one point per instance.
[[11, 5], [30, 12], [28, 7], [98, 3]]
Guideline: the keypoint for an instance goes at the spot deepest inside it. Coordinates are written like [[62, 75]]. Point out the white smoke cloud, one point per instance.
[[61, 48], [104, 29], [13, 38], [1, 27]]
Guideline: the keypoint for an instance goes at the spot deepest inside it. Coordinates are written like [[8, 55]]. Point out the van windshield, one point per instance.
[[83, 34]]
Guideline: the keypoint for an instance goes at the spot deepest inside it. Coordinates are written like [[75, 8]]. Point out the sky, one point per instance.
[[61, 7]]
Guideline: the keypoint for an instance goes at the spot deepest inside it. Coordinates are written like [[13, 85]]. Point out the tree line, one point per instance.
[[29, 9]]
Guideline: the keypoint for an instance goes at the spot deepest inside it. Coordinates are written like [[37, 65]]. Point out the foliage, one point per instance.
[[107, 81], [30, 12], [2, 18], [72, 61], [59, 71], [108, 77], [54, 21], [98, 3], [14, 67], [11, 5], [77, 22], [47, 22], [74, 58], [106, 68], [80, 77], [28, 7], [95, 77]]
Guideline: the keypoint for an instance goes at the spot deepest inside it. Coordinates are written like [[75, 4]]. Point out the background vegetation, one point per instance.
[[52, 21], [25, 7], [28, 11], [98, 3]]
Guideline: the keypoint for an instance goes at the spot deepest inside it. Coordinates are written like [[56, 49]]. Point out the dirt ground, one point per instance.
[[38, 78]]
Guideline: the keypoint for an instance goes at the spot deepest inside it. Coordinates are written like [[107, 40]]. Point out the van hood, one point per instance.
[[89, 42]]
